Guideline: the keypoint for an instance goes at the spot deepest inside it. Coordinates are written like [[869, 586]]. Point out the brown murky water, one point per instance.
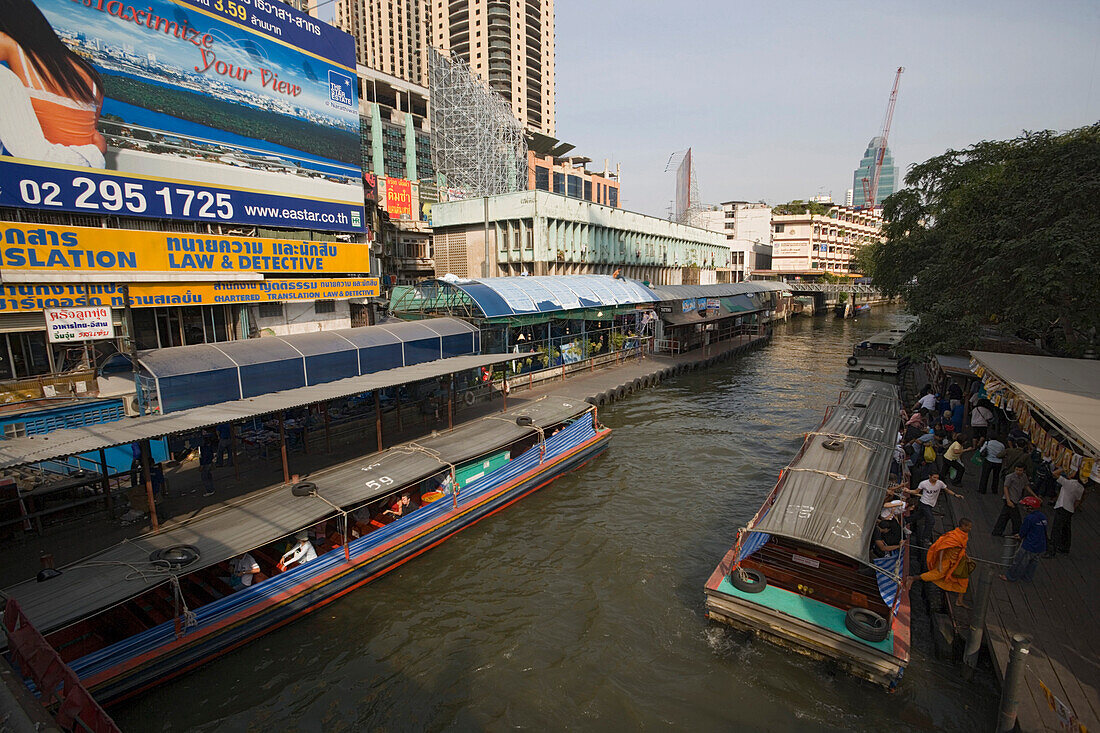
[[582, 606]]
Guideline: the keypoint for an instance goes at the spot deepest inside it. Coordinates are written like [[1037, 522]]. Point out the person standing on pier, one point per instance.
[[992, 453], [1033, 541], [929, 491], [952, 459], [1015, 486], [948, 566], [1070, 493]]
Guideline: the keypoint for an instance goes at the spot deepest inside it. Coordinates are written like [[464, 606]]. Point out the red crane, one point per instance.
[[870, 187]]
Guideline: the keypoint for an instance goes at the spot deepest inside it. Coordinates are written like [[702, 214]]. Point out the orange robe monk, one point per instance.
[[944, 556]]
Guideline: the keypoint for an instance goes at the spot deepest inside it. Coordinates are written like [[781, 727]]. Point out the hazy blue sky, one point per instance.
[[778, 99]]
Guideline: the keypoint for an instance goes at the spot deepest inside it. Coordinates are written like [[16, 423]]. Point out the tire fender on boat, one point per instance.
[[866, 624], [609, 396], [748, 580], [620, 393], [852, 361], [637, 384]]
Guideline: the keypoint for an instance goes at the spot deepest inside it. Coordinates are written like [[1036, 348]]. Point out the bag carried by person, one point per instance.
[[965, 567], [929, 454], [952, 473]]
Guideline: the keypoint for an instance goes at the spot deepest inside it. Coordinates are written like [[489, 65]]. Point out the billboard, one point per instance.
[[65, 298], [79, 324], [240, 111], [37, 251], [399, 199]]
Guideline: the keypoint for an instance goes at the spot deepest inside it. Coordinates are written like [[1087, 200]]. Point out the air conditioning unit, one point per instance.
[[130, 404]]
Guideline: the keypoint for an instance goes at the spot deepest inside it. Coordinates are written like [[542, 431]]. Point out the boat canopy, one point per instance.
[[719, 290], [833, 492], [204, 374], [73, 441], [125, 570], [506, 297]]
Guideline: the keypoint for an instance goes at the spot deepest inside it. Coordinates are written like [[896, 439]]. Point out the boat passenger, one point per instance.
[[302, 552], [244, 571], [401, 506], [888, 534]]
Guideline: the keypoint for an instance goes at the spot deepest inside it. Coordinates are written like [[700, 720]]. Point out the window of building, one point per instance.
[[271, 310], [542, 178], [588, 190], [612, 196], [15, 430], [779, 228], [324, 306], [575, 187], [559, 182]]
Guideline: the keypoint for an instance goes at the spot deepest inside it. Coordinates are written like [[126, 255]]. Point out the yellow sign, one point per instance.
[[14, 298], [45, 247]]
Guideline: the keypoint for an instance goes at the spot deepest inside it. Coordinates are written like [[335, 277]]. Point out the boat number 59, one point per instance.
[[382, 481]]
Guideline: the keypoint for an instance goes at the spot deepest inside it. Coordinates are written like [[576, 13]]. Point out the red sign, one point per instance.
[[399, 198]]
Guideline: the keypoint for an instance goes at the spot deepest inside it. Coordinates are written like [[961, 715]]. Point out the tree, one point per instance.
[[1003, 236]]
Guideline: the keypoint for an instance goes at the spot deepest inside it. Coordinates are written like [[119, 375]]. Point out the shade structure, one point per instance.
[[184, 377], [719, 290], [503, 297], [124, 570], [72, 441], [832, 493]]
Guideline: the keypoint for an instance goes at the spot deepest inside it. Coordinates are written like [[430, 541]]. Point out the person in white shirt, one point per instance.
[[992, 453], [929, 491], [1070, 494], [300, 554], [980, 418]]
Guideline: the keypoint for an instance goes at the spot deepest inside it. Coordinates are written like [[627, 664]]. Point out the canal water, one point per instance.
[[582, 606]]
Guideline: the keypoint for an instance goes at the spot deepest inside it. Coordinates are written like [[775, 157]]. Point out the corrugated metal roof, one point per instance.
[[124, 571], [718, 290], [20, 451], [498, 297]]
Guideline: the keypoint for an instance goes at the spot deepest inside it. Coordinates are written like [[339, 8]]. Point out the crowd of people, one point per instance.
[[943, 436]]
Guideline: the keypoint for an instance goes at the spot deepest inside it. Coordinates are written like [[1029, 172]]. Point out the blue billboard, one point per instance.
[[242, 111]]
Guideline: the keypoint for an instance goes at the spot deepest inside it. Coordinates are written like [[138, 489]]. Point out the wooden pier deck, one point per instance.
[[1059, 610]]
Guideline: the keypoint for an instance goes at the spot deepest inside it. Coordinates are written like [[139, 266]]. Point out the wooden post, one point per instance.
[[233, 451], [146, 459], [450, 403], [328, 441], [282, 447], [504, 389], [106, 482], [378, 413]]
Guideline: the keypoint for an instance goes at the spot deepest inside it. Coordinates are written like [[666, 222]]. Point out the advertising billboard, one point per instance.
[[399, 199], [79, 324], [84, 299], [31, 252], [240, 111]]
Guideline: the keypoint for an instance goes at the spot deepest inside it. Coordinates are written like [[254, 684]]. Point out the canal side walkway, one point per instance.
[[70, 541], [1059, 610]]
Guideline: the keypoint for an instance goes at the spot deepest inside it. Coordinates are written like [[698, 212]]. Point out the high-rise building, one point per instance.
[[509, 44], [391, 36], [887, 181]]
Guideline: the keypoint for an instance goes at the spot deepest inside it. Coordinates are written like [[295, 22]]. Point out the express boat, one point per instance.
[[879, 353], [154, 607], [802, 573]]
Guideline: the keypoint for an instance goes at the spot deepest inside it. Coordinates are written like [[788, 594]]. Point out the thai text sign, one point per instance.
[[79, 324], [38, 247], [205, 110], [399, 202], [16, 298]]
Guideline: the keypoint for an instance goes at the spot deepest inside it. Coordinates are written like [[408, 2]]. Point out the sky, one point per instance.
[[778, 100]]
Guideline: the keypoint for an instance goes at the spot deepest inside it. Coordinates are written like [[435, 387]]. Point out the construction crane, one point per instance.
[[870, 187]]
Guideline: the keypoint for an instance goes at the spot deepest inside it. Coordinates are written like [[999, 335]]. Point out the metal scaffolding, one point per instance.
[[477, 144]]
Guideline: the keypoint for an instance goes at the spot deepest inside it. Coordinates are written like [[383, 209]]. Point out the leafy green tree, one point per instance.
[[1002, 238]]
